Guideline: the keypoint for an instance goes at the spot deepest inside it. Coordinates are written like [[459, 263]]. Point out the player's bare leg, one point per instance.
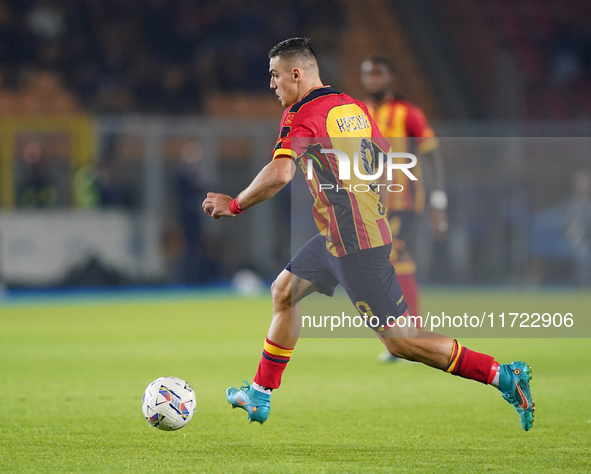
[[432, 351], [287, 291]]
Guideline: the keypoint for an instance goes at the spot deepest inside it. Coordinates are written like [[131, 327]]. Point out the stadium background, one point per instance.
[[116, 117]]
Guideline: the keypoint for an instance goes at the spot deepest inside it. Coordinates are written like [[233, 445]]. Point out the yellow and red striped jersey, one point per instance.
[[400, 121], [347, 211]]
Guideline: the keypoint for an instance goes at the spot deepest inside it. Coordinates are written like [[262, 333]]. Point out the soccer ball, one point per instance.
[[169, 403]]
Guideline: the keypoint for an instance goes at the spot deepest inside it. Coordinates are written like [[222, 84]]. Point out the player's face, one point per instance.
[[283, 82], [376, 79]]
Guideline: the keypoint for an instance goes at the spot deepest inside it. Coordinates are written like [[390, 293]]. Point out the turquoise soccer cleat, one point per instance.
[[257, 404], [514, 385]]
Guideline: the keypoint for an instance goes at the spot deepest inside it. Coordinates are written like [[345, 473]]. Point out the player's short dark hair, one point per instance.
[[383, 61], [292, 47]]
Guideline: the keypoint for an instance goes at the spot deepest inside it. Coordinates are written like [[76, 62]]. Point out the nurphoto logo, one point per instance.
[[388, 162]]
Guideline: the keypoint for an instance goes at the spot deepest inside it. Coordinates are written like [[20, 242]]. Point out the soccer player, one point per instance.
[[405, 127], [354, 242]]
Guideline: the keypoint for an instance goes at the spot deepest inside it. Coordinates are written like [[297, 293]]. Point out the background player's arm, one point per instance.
[[271, 179], [438, 201], [417, 125], [436, 159]]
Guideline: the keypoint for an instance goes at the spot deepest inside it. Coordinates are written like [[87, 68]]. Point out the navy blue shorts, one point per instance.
[[367, 276]]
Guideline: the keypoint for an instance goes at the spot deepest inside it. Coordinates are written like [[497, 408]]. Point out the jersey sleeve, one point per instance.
[[287, 144], [418, 128]]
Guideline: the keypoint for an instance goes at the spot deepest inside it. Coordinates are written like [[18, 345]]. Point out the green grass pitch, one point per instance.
[[72, 375]]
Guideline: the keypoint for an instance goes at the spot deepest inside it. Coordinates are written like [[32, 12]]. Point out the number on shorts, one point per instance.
[[364, 308]]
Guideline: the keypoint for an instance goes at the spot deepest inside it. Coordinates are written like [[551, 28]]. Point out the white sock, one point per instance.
[[495, 382], [262, 389]]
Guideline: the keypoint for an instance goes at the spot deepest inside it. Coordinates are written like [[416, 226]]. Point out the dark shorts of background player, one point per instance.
[[367, 276], [408, 227]]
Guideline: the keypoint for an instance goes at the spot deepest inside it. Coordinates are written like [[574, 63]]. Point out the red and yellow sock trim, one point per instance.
[[493, 372], [455, 359], [470, 364], [276, 353]]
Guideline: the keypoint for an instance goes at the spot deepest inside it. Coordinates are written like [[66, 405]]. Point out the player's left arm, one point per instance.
[[429, 149], [270, 180]]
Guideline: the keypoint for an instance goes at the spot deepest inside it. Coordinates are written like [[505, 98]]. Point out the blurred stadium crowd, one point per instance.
[[167, 56], [157, 56]]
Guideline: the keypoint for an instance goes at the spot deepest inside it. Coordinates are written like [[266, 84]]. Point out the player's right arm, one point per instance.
[[270, 180]]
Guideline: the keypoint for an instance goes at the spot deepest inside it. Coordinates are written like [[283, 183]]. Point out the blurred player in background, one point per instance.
[[353, 245], [405, 126]]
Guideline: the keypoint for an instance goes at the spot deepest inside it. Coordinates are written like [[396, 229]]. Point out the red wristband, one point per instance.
[[235, 207]]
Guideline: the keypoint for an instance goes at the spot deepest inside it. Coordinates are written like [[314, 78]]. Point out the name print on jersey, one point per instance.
[[350, 124]]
